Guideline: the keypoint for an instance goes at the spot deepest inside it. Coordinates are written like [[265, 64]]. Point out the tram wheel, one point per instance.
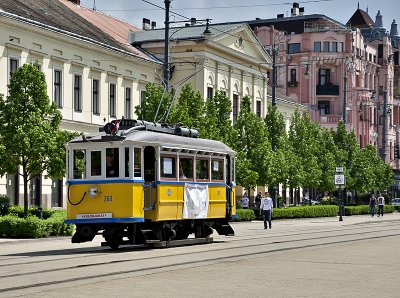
[[114, 245]]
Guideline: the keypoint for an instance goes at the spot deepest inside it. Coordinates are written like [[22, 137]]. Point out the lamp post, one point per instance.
[[166, 45], [384, 124], [277, 37], [349, 65]]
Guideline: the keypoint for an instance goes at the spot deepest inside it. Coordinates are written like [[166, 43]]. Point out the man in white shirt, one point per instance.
[[266, 209], [245, 201], [381, 204]]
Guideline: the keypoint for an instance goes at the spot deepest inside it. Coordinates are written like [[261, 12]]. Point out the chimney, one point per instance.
[[146, 24], [153, 25], [295, 9], [193, 21], [77, 2], [301, 11]]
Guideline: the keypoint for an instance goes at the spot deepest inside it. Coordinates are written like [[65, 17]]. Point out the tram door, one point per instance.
[[230, 191], [150, 187]]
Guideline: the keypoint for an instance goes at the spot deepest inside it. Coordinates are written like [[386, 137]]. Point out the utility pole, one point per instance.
[[384, 124], [345, 95], [166, 46]]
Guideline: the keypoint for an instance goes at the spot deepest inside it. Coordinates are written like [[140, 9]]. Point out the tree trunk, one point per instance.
[[25, 175]]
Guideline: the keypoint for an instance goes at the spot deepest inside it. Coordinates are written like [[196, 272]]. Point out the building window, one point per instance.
[[95, 97], [57, 87], [258, 108], [128, 103], [323, 107], [325, 46], [294, 48], [235, 106], [112, 101], [324, 76], [210, 92], [293, 76], [142, 97], [341, 47], [317, 46], [77, 93], [334, 46], [13, 66]]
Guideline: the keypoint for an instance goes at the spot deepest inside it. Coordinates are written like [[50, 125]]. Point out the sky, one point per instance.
[[220, 11]]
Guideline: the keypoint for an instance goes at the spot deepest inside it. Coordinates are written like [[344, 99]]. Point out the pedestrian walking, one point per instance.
[[372, 203], [381, 205], [245, 201], [258, 199], [266, 209]]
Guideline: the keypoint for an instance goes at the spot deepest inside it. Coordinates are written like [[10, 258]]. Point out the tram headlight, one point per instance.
[[93, 191]]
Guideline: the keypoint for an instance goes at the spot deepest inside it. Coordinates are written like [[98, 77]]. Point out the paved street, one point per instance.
[[320, 257]]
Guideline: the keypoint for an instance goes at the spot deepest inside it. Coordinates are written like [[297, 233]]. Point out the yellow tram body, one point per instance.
[[146, 184]]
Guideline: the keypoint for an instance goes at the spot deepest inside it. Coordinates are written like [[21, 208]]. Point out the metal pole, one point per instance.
[[345, 95], [340, 205], [384, 126], [273, 75], [166, 46]]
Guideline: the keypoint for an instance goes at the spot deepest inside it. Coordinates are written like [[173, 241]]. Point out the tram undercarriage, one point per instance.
[[151, 233]]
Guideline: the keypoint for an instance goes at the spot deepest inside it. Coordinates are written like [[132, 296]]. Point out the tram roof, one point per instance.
[[164, 140]]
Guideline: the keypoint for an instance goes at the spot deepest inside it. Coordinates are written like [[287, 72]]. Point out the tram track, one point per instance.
[[231, 254], [95, 251]]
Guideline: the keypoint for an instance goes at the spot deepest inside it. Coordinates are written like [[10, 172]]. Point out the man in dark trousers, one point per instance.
[[266, 209]]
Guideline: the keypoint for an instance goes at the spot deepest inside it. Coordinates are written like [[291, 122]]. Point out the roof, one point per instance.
[[183, 33], [163, 140], [115, 28], [360, 19], [71, 18]]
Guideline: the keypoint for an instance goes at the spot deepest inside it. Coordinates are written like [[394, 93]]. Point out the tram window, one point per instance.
[[185, 168], [112, 162], [126, 151], [217, 170], [79, 164], [168, 167], [137, 162], [95, 162], [202, 172]]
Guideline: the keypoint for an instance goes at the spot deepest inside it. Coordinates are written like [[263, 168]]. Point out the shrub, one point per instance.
[[13, 226], [364, 209], [245, 215], [4, 205]]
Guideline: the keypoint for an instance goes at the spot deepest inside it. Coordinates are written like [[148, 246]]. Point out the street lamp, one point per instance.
[[349, 66], [278, 37]]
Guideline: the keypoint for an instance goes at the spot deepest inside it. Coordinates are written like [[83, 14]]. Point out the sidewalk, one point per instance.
[[347, 220]]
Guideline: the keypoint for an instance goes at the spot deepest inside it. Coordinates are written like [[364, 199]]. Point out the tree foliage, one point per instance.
[[29, 129]]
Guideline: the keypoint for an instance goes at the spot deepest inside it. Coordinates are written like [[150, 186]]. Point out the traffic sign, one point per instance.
[[339, 169], [339, 179]]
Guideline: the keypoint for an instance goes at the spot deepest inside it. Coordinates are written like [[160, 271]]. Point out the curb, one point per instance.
[[30, 240]]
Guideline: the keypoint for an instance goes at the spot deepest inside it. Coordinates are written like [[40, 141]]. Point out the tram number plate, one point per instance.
[[107, 198]]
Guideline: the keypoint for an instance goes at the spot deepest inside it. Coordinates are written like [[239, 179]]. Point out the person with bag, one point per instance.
[[372, 203], [266, 208], [381, 204]]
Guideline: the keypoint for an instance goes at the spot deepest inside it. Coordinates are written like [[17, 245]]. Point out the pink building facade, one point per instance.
[[341, 72]]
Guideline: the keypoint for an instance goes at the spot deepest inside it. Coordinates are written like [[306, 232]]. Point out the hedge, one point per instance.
[[15, 226], [309, 212]]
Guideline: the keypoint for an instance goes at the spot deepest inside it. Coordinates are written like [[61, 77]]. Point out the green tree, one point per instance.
[[155, 99], [251, 143], [216, 123], [278, 168], [189, 108], [29, 129], [327, 161]]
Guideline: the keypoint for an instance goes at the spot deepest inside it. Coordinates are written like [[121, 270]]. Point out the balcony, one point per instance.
[[327, 89]]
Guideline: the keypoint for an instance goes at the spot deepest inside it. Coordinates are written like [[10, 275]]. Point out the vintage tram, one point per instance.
[[145, 183]]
